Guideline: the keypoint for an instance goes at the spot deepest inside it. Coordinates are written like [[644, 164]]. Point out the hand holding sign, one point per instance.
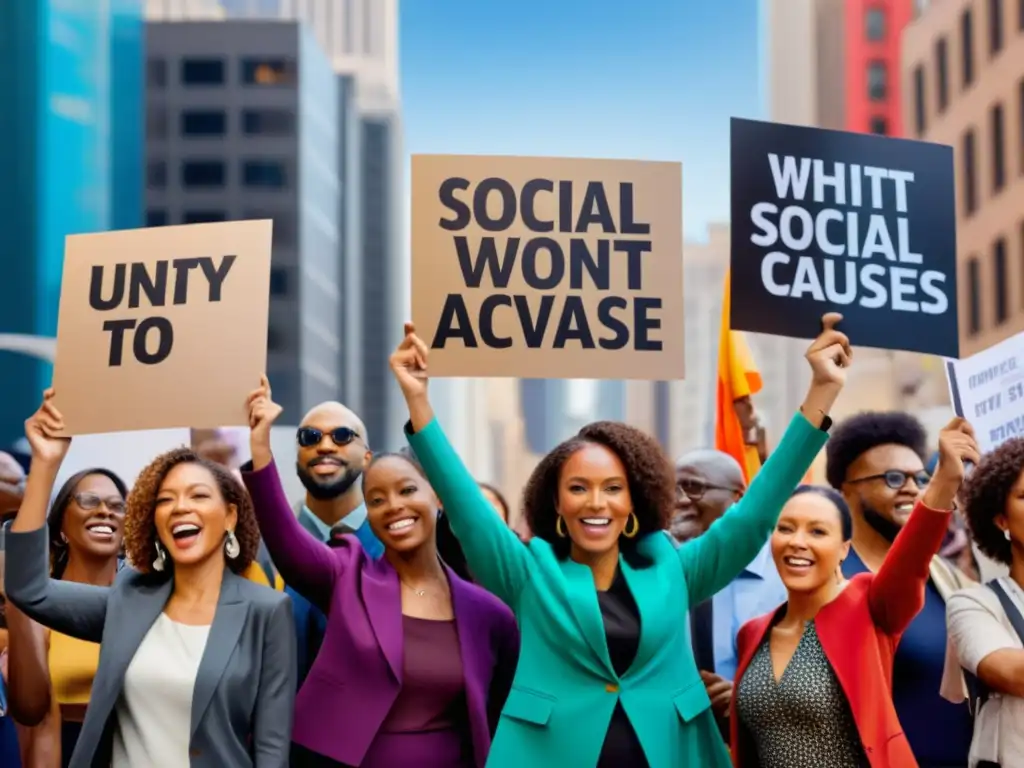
[[409, 364], [43, 431], [957, 446], [263, 412], [829, 357]]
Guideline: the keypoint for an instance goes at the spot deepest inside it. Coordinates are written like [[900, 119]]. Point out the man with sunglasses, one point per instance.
[[708, 482], [877, 462], [332, 453]]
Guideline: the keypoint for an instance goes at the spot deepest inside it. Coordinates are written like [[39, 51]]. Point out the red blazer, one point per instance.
[[859, 632]]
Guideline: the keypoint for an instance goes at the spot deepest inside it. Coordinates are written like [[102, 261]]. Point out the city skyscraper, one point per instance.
[[70, 154]]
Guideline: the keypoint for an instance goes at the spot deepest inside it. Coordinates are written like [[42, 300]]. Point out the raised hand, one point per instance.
[[409, 364], [263, 412], [43, 430], [957, 445], [830, 354]]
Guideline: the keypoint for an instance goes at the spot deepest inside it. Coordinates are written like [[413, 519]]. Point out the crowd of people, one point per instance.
[[641, 614]]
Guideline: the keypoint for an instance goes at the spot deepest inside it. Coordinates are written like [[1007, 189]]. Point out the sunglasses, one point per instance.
[[695, 489], [310, 436], [897, 478], [90, 501]]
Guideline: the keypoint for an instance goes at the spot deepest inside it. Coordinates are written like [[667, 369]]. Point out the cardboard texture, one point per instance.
[[585, 272], [209, 284]]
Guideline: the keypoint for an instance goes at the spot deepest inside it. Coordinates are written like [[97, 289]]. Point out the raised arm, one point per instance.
[[275, 698], [72, 609], [714, 559], [897, 591], [495, 555], [306, 564]]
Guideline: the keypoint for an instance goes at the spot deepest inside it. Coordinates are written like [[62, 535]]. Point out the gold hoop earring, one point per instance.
[[629, 534], [560, 527]]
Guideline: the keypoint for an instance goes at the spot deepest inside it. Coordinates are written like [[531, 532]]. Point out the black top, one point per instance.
[[622, 634]]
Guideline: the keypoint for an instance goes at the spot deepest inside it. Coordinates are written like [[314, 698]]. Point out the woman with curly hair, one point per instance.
[[197, 664], [51, 674], [606, 675], [986, 623]]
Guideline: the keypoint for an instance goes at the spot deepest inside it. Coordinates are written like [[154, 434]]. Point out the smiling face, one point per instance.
[[807, 544], [593, 498], [869, 486], [707, 484], [401, 507], [191, 516], [94, 518], [331, 452]]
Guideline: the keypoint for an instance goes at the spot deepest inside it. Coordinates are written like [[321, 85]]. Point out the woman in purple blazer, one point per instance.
[[416, 663]]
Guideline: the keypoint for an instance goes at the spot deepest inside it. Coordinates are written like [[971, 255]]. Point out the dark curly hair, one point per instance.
[[140, 532], [859, 434], [55, 521], [984, 496], [651, 478]]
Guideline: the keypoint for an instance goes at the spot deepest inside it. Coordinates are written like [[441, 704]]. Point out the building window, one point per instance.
[[969, 173], [202, 72], [967, 47], [874, 21], [880, 126], [268, 122], [1001, 285], [284, 225], [203, 122], [156, 174], [942, 74], [264, 173], [203, 217], [995, 26], [156, 217], [202, 173], [268, 72], [156, 73], [998, 138], [974, 295], [920, 115], [278, 281], [156, 122], [877, 81]]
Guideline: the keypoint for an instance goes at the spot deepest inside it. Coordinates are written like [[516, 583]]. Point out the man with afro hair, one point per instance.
[[877, 462]]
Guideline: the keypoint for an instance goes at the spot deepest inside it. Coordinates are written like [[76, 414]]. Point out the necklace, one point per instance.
[[414, 590]]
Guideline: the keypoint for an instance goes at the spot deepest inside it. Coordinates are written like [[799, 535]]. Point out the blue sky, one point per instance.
[[653, 79]]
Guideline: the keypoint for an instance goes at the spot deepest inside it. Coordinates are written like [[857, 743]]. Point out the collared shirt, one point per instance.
[[755, 592], [353, 520]]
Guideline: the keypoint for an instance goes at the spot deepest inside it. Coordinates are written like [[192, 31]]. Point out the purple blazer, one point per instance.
[[358, 672]]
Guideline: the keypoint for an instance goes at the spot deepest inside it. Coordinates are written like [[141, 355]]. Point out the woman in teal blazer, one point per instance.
[[606, 674]]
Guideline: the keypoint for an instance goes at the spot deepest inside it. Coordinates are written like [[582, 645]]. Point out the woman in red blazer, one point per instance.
[[813, 683]]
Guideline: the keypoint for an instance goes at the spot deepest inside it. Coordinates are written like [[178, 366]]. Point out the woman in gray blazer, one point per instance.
[[197, 664]]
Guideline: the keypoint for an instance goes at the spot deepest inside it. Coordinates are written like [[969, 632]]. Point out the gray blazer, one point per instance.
[[245, 688]]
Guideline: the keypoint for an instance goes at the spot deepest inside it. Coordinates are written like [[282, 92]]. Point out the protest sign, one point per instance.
[[162, 328], [548, 267], [987, 389], [831, 221]]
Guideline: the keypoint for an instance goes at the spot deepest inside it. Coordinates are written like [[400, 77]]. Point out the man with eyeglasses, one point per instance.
[[708, 482], [332, 453], [877, 462]]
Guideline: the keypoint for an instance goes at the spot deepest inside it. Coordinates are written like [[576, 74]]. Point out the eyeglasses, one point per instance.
[[310, 436], [897, 478], [91, 501], [695, 489]]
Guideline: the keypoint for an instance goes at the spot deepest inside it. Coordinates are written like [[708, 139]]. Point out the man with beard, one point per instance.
[[708, 482], [332, 452], [876, 460]]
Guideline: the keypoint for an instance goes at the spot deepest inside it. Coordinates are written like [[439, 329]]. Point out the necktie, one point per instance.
[[337, 532], [702, 635]]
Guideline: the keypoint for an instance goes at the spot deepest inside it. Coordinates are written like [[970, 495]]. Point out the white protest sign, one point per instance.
[[987, 389]]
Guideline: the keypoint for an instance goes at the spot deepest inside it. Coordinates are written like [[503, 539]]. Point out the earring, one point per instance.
[[1006, 534], [560, 526], [629, 534], [63, 537], [161, 558], [231, 546]]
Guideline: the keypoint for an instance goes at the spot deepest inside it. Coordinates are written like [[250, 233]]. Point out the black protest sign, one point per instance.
[[163, 327], [548, 268], [832, 221]]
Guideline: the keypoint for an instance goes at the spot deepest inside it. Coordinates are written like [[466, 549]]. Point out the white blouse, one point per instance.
[[154, 712]]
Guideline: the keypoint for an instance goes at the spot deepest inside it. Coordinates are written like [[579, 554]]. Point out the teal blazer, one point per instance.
[[565, 689]]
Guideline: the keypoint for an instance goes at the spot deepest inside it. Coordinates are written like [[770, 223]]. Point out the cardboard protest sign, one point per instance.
[[987, 389], [548, 267], [163, 327], [831, 221]]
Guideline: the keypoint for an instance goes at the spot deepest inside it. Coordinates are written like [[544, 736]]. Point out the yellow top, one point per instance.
[[73, 665], [256, 573]]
